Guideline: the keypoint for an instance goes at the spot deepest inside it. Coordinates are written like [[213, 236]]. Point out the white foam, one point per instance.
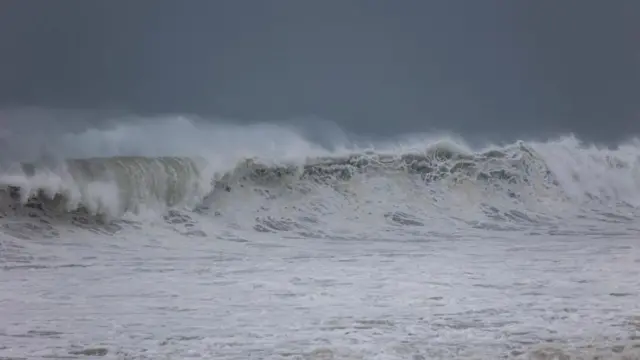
[[382, 266]]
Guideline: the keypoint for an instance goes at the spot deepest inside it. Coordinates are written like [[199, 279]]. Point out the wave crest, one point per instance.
[[514, 164]]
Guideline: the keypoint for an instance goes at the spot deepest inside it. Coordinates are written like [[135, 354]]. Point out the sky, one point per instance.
[[490, 67]]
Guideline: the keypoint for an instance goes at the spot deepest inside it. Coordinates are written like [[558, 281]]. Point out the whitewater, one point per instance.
[[172, 238]]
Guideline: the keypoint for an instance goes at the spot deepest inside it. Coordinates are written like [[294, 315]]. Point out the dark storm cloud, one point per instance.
[[380, 67]]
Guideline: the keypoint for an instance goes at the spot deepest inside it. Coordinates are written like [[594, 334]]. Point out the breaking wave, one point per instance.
[[276, 179], [522, 181], [109, 186]]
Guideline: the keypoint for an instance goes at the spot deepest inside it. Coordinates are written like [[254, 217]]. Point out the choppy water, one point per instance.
[[433, 251]]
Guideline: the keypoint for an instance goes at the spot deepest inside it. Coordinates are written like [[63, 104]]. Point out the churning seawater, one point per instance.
[[251, 243]]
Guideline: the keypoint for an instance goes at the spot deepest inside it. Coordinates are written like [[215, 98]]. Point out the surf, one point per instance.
[[240, 174]]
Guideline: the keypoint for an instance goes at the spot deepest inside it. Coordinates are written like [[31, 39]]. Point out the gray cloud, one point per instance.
[[489, 67]]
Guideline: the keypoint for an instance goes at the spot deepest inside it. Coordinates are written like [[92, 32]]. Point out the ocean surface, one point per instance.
[[173, 240]]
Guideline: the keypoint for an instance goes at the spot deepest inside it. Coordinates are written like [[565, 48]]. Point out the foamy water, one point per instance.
[[253, 243]]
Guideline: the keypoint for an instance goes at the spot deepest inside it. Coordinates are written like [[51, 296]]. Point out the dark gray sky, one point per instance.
[[508, 67]]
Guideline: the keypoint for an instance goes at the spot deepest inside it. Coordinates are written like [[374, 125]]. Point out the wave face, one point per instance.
[[109, 186], [293, 185]]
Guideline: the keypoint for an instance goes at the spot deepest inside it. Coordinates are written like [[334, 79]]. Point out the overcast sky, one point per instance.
[[474, 66]]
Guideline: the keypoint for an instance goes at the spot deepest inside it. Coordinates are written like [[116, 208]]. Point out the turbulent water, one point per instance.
[[285, 250]]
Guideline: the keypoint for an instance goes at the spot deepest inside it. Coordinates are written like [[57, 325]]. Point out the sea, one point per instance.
[[171, 238]]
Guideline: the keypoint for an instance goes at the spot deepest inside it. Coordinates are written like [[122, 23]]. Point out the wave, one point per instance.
[[274, 178], [109, 186], [539, 177]]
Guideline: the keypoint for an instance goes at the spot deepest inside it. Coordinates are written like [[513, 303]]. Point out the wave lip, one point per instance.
[[110, 186]]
